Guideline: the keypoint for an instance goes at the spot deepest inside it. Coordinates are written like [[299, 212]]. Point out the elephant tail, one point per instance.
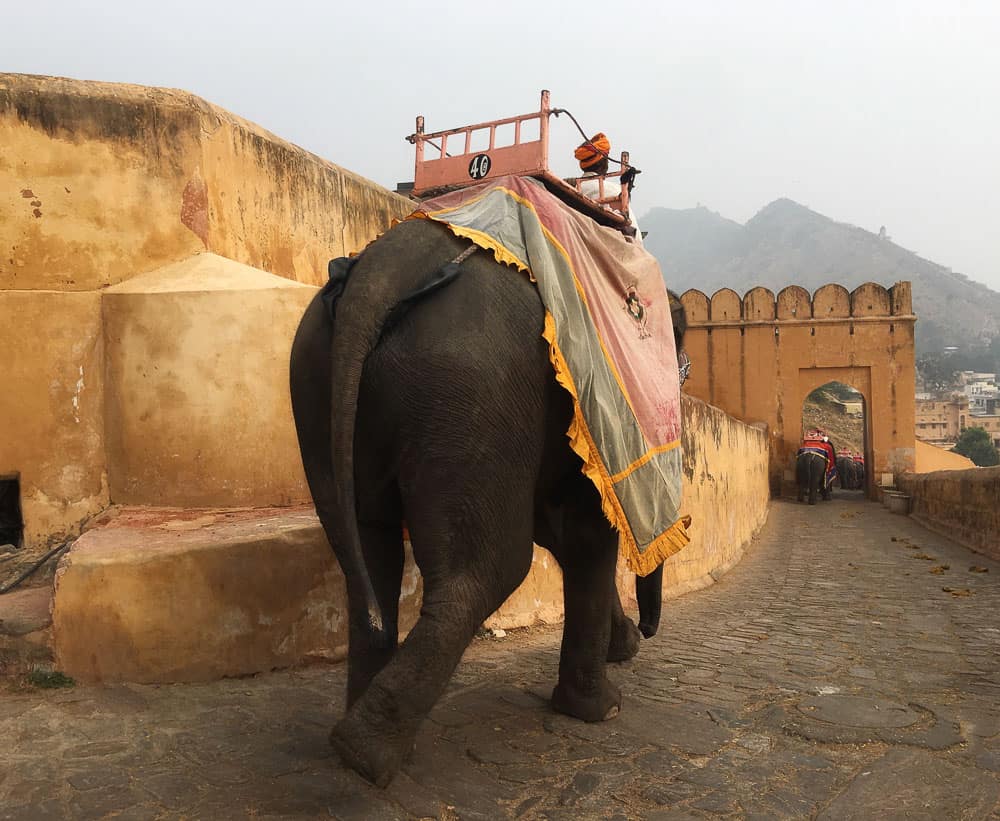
[[387, 279]]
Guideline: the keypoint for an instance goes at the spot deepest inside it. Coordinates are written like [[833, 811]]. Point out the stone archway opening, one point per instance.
[[841, 411]]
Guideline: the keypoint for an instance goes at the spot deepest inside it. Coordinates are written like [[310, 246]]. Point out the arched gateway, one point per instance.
[[759, 357]]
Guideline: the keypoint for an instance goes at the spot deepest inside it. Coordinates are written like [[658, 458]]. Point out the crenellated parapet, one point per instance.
[[794, 304]]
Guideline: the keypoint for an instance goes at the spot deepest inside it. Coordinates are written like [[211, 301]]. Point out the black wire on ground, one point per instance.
[[27, 573]]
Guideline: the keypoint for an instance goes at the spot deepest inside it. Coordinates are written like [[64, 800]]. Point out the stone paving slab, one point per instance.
[[25, 627], [25, 611], [815, 680]]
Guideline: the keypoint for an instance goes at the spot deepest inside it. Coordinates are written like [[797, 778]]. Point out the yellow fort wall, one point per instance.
[[100, 185], [931, 458], [52, 410], [961, 504], [758, 357]]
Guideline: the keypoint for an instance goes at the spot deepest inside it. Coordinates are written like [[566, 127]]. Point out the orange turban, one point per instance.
[[593, 151]]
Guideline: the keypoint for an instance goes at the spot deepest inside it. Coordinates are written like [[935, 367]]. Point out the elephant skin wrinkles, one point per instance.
[[450, 419]]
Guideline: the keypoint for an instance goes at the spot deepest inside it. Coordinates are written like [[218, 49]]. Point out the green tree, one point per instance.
[[976, 444]]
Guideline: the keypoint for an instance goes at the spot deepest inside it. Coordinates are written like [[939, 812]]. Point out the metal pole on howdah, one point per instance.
[[437, 383]]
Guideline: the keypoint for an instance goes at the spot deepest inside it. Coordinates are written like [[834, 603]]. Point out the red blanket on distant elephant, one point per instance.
[[824, 449], [608, 325]]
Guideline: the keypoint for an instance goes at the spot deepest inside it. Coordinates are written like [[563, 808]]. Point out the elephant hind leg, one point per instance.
[[467, 573]]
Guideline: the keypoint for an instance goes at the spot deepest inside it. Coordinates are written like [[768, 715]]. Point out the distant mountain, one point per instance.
[[788, 244]]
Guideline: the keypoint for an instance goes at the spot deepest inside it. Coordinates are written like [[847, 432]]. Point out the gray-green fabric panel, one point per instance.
[[650, 513], [609, 417]]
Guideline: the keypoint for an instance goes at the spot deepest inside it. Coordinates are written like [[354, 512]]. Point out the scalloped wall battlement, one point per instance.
[[794, 304]]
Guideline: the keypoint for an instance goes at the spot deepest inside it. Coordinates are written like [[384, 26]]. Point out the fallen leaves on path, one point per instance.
[[958, 591], [941, 568], [977, 569], [925, 557]]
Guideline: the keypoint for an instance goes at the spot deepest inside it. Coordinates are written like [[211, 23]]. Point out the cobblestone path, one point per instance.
[[847, 668]]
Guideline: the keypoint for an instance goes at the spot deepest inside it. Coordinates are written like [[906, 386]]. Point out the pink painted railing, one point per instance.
[[446, 160]]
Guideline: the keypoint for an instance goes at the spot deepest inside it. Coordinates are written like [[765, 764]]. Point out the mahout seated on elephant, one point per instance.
[[448, 415], [815, 467]]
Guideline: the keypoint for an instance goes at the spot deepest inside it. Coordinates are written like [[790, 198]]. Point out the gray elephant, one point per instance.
[[434, 394], [851, 472], [846, 473], [859, 472], [810, 476]]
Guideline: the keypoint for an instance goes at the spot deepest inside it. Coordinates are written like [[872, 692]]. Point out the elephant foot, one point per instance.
[[372, 752], [800, 497], [604, 705], [625, 640]]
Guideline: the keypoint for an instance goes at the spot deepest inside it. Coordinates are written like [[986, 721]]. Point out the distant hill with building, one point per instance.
[[786, 243]]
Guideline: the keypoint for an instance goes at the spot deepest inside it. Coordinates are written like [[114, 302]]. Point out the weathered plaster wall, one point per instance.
[[198, 409], [52, 408], [276, 207], [757, 358], [101, 183], [961, 504], [726, 494], [133, 598], [91, 181]]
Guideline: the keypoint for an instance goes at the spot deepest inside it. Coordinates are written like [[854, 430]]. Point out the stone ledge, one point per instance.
[[157, 595]]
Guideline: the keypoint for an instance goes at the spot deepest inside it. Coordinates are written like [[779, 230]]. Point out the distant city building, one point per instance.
[[969, 377], [941, 421], [982, 392]]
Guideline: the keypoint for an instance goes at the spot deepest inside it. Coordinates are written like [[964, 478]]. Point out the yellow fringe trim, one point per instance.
[[580, 439], [646, 457], [483, 240], [583, 445]]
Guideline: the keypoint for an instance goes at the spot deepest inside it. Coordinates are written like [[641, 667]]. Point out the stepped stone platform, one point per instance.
[[158, 595], [163, 595]]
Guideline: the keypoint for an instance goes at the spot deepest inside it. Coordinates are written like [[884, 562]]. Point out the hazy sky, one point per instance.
[[873, 113]]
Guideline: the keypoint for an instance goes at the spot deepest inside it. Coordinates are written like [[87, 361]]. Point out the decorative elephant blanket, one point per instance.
[[825, 450], [607, 322]]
